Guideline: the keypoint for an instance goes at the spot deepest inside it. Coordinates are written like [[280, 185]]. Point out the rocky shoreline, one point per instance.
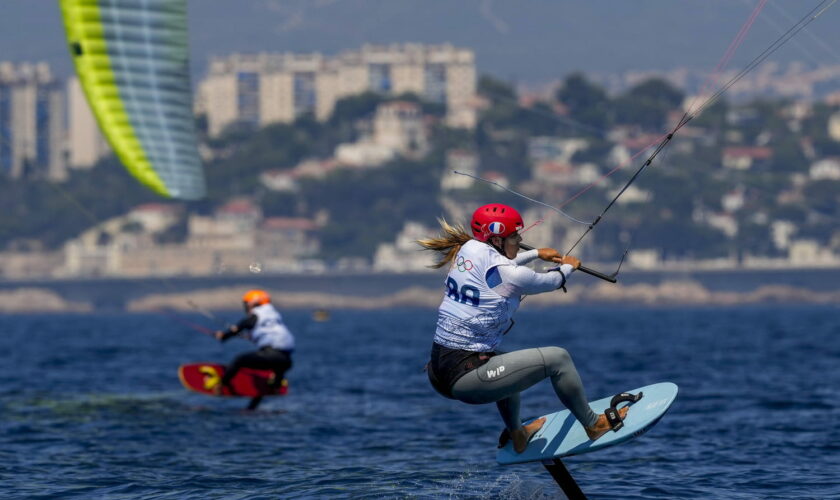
[[39, 300], [666, 293]]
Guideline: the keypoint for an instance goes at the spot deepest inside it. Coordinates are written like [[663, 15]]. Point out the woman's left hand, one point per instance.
[[549, 255]]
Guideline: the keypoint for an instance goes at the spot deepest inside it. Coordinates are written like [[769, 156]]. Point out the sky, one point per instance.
[[527, 41]]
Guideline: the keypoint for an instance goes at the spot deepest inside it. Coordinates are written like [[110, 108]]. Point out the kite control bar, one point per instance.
[[591, 272]]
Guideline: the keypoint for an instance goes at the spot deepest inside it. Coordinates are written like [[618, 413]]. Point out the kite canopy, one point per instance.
[[131, 57]]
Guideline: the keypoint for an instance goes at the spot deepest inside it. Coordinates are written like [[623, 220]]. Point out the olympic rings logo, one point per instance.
[[463, 264]]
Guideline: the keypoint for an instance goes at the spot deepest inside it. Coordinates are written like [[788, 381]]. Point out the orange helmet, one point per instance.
[[253, 298]]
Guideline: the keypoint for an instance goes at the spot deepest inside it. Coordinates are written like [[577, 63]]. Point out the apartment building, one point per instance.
[[31, 122], [85, 143], [259, 89]]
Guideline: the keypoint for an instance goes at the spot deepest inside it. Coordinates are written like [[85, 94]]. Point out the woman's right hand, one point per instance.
[[549, 254]]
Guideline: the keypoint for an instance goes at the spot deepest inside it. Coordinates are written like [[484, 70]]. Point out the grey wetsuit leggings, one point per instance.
[[504, 376]]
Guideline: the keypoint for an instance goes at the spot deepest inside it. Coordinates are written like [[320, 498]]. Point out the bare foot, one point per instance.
[[522, 435], [602, 426]]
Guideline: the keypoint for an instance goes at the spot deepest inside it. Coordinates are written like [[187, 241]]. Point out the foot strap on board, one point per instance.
[[613, 417]]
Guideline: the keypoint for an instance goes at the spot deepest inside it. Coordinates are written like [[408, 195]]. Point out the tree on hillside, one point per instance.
[[353, 108], [496, 91], [580, 95], [788, 155], [503, 110], [647, 104], [587, 102], [816, 124], [428, 108], [368, 207], [278, 146], [54, 213], [713, 117], [824, 197], [754, 239], [657, 90], [280, 204], [766, 120]]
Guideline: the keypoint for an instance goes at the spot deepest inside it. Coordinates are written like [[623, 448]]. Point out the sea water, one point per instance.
[[91, 407]]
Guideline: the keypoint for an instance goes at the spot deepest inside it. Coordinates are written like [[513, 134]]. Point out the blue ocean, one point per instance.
[[91, 407]]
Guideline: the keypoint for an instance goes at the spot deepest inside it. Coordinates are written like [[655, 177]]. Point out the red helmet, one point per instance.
[[495, 219]]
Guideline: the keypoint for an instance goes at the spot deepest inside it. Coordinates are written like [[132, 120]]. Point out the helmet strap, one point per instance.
[[499, 249]]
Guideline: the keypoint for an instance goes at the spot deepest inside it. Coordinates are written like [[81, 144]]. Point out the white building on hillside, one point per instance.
[[834, 126], [556, 149], [399, 125], [398, 130], [233, 226], [462, 161], [405, 255], [809, 253], [826, 169]]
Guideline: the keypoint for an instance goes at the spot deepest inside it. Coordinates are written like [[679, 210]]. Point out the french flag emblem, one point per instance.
[[496, 228]]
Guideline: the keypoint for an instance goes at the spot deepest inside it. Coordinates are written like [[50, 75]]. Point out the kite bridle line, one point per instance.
[[690, 114]]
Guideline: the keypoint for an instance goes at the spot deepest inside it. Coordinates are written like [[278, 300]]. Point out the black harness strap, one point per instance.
[[612, 412]]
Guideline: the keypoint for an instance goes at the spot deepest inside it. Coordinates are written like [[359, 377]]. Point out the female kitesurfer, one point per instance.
[[485, 284], [264, 326]]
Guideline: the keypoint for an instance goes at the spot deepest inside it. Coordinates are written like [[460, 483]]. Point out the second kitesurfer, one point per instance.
[[264, 326]]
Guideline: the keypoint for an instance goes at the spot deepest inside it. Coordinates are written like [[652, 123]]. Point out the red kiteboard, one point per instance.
[[204, 377]]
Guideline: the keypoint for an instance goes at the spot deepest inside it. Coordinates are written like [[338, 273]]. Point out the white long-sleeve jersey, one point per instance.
[[483, 291]]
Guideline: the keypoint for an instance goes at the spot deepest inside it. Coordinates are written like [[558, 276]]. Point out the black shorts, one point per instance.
[[448, 365]]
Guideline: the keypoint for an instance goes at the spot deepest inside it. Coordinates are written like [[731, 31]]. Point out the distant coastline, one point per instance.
[[376, 291]]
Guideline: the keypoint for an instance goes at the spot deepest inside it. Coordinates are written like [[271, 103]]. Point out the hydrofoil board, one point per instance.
[[563, 436]]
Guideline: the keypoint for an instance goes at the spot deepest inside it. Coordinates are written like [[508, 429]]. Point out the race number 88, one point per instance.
[[467, 294]]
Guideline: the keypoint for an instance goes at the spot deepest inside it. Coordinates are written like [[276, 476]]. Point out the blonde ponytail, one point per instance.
[[448, 243]]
